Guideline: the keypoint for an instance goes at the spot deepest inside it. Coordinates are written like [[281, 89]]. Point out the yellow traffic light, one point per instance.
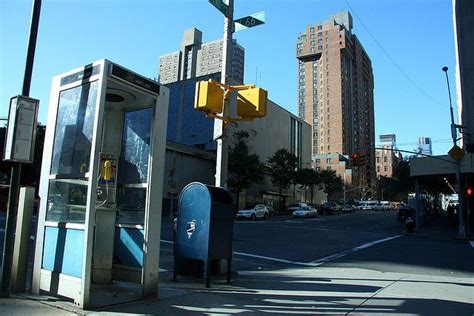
[[209, 97], [252, 103]]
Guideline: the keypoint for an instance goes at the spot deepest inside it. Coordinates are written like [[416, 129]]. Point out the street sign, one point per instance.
[[456, 152], [220, 5], [250, 21]]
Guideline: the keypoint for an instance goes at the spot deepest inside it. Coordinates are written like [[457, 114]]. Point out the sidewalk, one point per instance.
[[290, 291]]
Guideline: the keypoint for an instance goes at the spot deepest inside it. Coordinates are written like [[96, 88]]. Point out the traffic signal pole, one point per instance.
[[220, 128], [462, 228]]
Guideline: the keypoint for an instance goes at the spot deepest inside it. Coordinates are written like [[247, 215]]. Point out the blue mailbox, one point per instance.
[[204, 226]]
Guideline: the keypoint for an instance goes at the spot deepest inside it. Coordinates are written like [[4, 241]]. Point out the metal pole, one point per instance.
[[222, 142], [462, 228], [16, 167], [344, 187]]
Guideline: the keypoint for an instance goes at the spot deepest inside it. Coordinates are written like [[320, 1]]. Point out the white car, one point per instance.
[[305, 212], [254, 212], [382, 206]]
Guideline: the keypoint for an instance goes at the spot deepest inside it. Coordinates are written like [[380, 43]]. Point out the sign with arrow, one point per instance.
[[250, 21]]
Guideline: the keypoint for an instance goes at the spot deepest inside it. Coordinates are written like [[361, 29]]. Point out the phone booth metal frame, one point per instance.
[[74, 217]]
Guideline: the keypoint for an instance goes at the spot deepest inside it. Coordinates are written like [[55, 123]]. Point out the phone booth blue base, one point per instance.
[[101, 186]]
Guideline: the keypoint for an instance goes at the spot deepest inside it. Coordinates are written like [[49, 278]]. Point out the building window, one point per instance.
[[384, 159], [328, 161], [385, 168], [378, 168]]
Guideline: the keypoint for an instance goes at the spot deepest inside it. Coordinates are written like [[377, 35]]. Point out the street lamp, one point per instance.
[[462, 228]]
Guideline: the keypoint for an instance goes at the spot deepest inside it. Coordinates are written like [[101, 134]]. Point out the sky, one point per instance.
[[408, 42]]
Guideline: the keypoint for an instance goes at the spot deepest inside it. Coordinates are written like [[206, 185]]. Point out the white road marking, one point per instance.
[[472, 243], [316, 262], [355, 249], [331, 230], [274, 259]]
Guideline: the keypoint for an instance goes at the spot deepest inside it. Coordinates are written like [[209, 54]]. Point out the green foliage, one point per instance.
[[307, 178], [281, 167], [331, 182], [399, 185], [244, 168]]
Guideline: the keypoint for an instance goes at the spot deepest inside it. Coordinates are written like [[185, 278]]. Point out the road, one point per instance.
[[367, 240]]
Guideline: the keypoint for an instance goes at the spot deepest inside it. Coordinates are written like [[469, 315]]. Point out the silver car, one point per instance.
[[305, 212]]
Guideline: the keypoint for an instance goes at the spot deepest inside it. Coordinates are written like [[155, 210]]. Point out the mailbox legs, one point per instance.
[[207, 272], [229, 270]]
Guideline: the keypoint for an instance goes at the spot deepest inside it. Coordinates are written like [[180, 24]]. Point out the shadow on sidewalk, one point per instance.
[[285, 294]]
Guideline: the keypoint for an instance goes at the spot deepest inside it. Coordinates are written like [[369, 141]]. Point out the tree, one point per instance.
[[402, 176], [281, 167], [307, 178], [244, 168], [331, 182]]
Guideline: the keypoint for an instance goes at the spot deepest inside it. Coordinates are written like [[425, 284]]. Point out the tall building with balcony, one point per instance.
[[335, 95], [196, 59]]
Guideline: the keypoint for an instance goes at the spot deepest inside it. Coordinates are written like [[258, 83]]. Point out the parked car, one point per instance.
[[253, 212], [382, 206], [305, 212], [368, 206], [330, 208], [348, 208], [270, 209], [294, 206]]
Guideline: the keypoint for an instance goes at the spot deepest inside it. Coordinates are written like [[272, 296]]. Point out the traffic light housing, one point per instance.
[[209, 97], [361, 159], [252, 103], [470, 191], [355, 159]]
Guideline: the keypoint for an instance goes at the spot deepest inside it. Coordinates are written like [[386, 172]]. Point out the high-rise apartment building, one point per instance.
[[386, 156], [335, 95], [424, 145], [196, 59]]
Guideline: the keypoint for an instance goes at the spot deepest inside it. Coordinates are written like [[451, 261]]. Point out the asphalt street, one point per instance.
[[338, 264], [368, 240]]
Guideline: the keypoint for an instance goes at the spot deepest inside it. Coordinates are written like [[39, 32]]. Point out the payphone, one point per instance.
[[106, 190], [101, 186]]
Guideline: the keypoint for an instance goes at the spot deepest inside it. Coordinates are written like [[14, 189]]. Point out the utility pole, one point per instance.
[[462, 227], [219, 125], [16, 167]]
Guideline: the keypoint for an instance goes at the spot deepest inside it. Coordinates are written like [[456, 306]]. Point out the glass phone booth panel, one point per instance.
[[103, 155]]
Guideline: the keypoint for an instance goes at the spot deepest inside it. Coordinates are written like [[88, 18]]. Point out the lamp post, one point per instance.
[[462, 227]]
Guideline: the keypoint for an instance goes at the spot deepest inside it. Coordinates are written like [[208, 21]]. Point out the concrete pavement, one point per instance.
[[318, 290]]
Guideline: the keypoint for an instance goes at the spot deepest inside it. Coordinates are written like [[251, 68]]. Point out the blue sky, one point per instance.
[[416, 34]]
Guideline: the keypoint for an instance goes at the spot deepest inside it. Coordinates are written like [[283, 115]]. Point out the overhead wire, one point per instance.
[[391, 59]]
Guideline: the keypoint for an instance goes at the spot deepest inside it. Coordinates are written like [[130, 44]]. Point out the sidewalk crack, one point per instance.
[[375, 294]]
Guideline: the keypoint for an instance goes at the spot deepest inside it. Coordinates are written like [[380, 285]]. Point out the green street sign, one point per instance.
[[250, 21], [220, 5]]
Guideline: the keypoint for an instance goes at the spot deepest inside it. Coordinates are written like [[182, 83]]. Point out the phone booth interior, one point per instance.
[[101, 186]]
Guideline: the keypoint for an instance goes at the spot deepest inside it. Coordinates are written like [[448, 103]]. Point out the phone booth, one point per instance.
[[99, 224]]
